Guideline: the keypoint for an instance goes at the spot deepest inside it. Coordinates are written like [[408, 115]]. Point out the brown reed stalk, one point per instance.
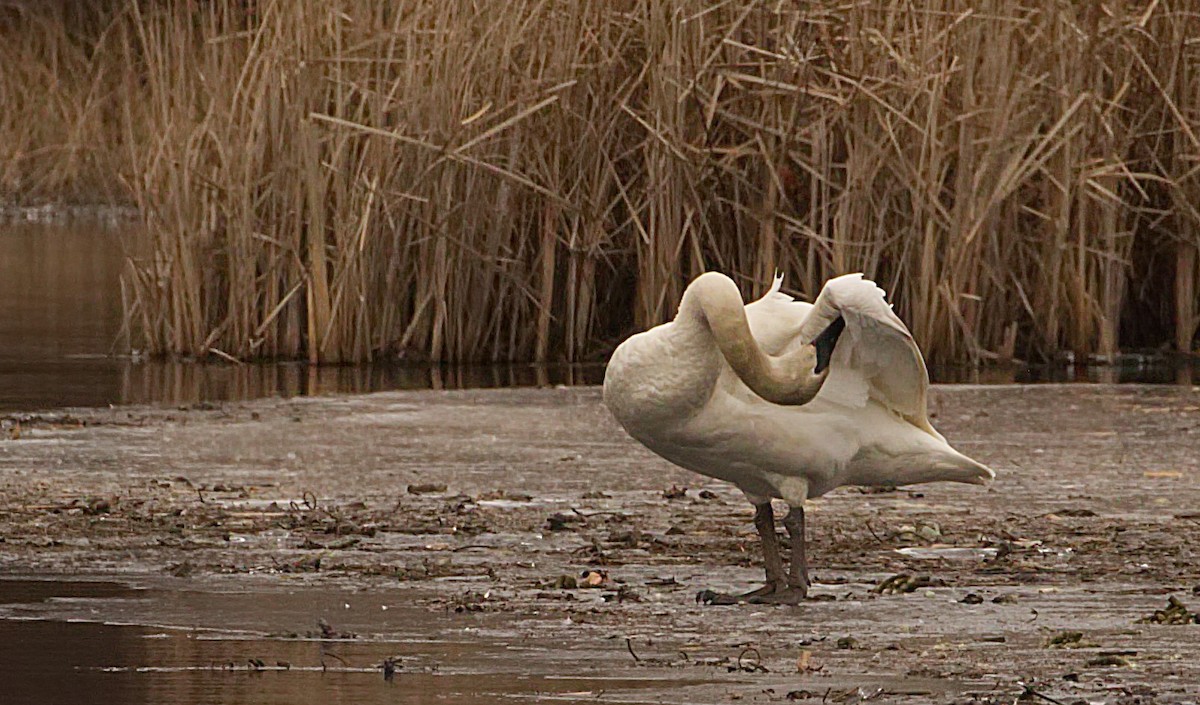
[[343, 180]]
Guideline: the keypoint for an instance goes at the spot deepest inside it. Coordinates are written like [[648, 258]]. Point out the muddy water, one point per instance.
[[89, 641], [61, 343]]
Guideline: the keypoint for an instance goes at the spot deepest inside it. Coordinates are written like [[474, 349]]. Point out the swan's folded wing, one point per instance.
[[775, 318], [875, 357]]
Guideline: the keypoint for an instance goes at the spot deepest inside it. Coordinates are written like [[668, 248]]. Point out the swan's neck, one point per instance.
[[713, 301]]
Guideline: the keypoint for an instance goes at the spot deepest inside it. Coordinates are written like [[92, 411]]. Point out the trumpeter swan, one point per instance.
[[785, 400]]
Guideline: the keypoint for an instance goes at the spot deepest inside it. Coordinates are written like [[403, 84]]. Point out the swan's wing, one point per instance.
[[775, 318], [875, 357]]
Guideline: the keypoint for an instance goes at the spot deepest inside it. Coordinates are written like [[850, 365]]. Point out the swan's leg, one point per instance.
[[798, 572], [796, 587], [764, 522]]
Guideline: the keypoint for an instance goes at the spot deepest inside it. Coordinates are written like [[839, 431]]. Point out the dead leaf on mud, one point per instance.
[[562, 522], [593, 579], [624, 593], [1078, 512], [1068, 640], [1162, 474], [562, 582], [426, 488], [904, 583], [661, 582], [1175, 613], [675, 493], [920, 532], [98, 505], [805, 664]]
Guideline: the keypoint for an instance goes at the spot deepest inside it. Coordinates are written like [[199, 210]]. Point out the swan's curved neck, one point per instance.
[[788, 379]]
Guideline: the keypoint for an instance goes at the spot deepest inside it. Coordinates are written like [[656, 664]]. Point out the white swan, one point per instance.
[[784, 399]]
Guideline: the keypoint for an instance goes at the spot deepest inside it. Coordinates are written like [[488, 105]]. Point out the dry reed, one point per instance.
[[346, 180]]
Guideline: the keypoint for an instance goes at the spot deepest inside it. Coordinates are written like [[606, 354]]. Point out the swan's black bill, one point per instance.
[[826, 341]]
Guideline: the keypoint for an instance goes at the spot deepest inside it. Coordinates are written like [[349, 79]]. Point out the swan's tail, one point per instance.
[[941, 464], [953, 466]]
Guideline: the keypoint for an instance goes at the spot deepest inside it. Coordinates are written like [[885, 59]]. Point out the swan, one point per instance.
[[785, 400]]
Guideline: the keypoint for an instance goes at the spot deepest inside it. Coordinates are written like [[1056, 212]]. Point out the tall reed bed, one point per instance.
[[57, 103], [349, 179]]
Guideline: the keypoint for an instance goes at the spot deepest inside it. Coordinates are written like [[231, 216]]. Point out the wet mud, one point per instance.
[[525, 548]]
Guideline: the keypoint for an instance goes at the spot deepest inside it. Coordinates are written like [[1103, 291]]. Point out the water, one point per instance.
[[60, 326], [68, 638], [60, 345]]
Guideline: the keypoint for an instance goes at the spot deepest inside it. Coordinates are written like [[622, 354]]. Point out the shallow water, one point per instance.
[[60, 344], [74, 642]]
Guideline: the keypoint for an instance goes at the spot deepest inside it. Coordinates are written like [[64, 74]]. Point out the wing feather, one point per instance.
[[875, 357]]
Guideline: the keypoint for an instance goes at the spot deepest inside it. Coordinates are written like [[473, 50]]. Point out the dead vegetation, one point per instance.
[[348, 180]]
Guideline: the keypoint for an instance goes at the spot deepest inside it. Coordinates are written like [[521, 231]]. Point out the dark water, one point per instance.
[[60, 345], [60, 325], [60, 644]]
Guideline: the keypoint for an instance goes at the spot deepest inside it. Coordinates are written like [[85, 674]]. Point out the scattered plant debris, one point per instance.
[[563, 522], [427, 488], [1068, 640], [920, 532], [675, 493], [593, 579], [903, 583], [1175, 613]]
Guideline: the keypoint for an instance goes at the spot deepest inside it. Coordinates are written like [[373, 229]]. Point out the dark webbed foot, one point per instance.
[[786, 595], [771, 594]]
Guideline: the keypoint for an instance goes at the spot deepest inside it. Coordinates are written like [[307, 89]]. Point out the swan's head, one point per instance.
[[799, 367]]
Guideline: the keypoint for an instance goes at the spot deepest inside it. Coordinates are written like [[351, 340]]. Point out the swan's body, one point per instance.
[[695, 391]]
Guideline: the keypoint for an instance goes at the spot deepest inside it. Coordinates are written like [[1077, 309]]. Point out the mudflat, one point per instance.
[[526, 519]]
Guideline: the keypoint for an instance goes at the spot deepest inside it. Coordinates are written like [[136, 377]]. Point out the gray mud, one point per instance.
[[478, 518]]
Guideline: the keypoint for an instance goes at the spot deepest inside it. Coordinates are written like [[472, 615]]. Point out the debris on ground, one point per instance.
[[427, 488], [326, 631], [675, 493], [903, 583], [218, 501], [919, 532], [1175, 613], [562, 582], [562, 522], [1068, 640], [593, 579]]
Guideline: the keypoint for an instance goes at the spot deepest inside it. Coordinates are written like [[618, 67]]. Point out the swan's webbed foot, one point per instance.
[[770, 594], [712, 597], [784, 595]]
